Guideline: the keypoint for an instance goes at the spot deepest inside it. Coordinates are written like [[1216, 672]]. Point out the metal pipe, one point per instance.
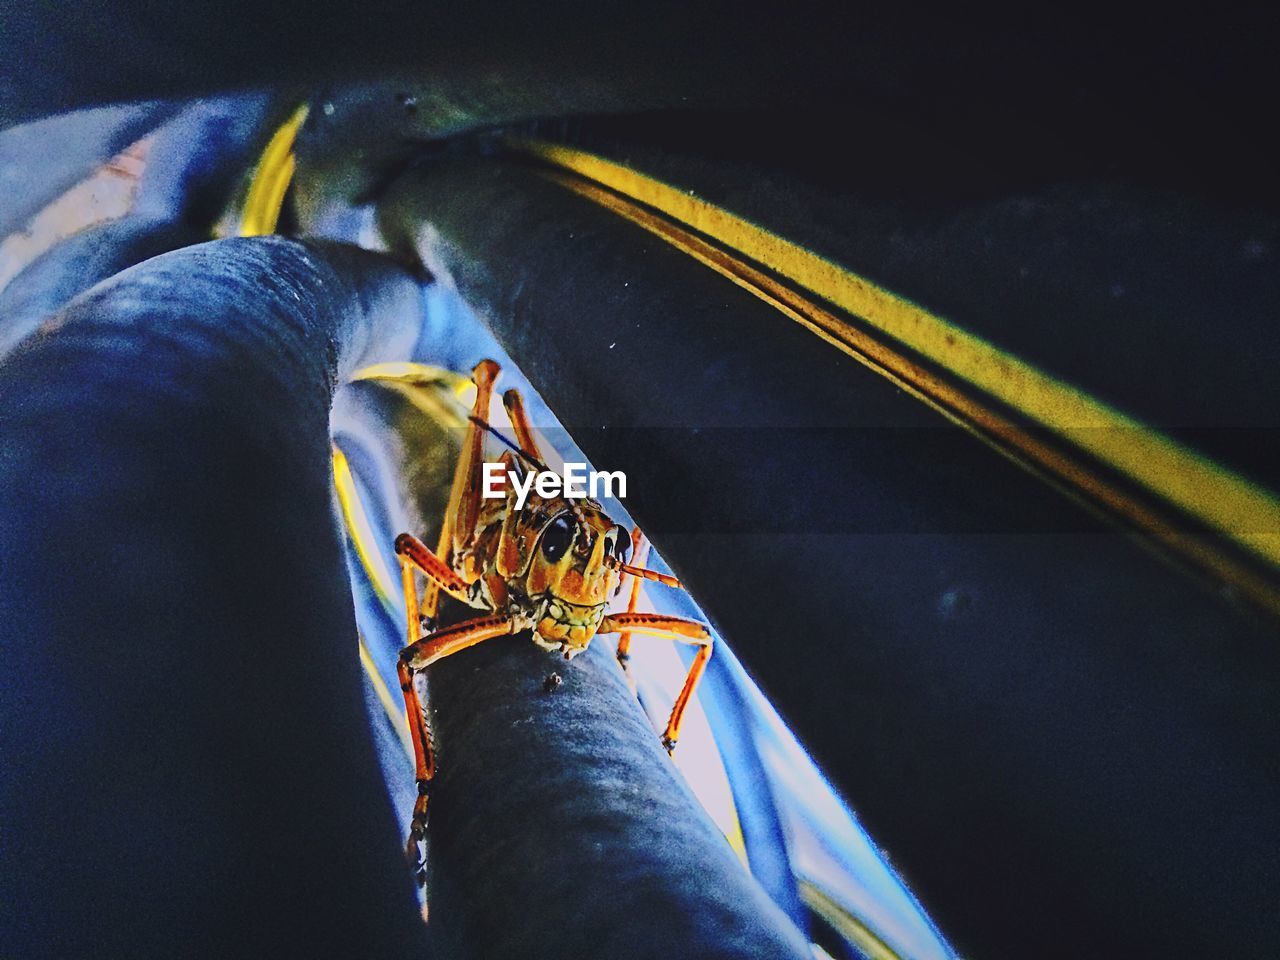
[[41, 159], [1058, 739], [186, 764], [190, 169], [77, 263], [559, 827], [1012, 87]]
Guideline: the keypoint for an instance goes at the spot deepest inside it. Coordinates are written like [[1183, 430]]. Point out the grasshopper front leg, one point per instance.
[[639, 554], [416, 656], [671, 628], [420, 651]]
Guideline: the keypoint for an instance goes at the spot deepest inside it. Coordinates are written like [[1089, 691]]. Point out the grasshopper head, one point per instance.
[[572, 572]]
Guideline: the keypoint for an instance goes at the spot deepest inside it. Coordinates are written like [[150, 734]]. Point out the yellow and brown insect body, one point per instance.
[[571, 577], [549, 565]]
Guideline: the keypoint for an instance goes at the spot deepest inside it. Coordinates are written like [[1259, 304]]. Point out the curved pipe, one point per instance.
[[41, 159], [77, 263], [187, 767], [559, 827], [1059, 740], [190, 169]]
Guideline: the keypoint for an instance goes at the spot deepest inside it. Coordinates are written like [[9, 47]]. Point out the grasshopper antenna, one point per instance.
[[508, 442], [523, 454], [644, 574]]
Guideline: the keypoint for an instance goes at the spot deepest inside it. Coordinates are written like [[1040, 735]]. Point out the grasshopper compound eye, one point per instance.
[[557, 537]]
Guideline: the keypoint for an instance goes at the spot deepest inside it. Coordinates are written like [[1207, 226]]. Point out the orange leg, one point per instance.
[[464, 496], [672, 628], [413, 553], [457, 534], [639, 553], [520, 423], [424, 768], [417, 655]]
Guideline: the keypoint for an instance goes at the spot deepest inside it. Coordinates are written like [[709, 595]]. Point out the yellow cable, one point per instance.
[[384, 583], [358, 528], [845, 923], [407, 371], [1194, 483], [1220, 498], [392, 709], [271, 179]]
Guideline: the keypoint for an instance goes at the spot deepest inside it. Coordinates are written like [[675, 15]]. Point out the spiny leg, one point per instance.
[[449, 640], [456, 534], [424, 768], [416, 656], [419, 735], [414, 555], [672, 628], [639, 554]]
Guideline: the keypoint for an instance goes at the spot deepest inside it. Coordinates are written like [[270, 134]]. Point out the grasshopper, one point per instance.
[[549, 566]]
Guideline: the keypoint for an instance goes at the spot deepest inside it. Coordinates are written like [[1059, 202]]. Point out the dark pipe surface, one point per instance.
[[41, 159], [187, 764], [77, 263], [191, 167], [559, 828], [1061, 742], [1102, 83]]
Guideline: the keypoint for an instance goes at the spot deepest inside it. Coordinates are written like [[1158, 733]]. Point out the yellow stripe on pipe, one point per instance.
[[1074, 477], [271, 179], [844, 922], [361, 535], [358, 526], [393, 710], [432, 390], [1220, 498], [407, 371]]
